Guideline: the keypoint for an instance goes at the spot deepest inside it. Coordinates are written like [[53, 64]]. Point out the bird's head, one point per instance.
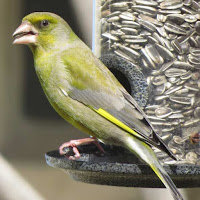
[[43, 29]]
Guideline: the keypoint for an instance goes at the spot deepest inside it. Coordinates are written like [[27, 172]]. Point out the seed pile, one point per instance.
[[162, 38]]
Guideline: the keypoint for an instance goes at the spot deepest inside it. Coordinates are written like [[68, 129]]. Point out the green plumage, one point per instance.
[[78, 85]]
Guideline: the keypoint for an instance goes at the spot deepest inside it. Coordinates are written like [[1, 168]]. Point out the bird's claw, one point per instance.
[[70, 147], [70, 150]]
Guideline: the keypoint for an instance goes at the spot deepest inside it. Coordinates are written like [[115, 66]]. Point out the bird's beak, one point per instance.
[[25, 34]]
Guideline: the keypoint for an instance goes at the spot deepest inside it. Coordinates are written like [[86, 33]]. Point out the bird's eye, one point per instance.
[[44, 23]]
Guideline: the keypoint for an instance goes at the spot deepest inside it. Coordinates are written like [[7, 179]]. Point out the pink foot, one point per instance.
[[74, 143]]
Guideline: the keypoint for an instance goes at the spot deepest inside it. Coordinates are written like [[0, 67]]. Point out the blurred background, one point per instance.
[[29, 127]]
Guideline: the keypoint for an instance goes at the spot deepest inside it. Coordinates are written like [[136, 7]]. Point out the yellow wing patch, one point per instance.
[[117, 122]]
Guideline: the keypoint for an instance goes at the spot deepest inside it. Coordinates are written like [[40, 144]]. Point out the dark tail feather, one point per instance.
[[145, 152], [163, 147], [167, 181]]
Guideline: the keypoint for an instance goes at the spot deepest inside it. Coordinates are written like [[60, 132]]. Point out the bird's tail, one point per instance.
[[144, 151], [167, 181]]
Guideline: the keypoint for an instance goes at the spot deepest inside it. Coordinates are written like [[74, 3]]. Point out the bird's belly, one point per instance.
[[85, 119]]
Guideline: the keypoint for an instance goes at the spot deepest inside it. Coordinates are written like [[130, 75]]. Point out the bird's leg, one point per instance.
[[74, 143]]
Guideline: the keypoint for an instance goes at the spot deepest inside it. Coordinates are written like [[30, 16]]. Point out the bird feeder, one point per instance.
[[153, 48]]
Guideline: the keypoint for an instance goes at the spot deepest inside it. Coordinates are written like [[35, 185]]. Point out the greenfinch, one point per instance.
[[86, 94]]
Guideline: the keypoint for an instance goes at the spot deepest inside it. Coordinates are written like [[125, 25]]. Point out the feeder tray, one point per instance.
[[120, 168]]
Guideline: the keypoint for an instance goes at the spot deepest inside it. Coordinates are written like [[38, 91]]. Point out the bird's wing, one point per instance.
[[95, 86]]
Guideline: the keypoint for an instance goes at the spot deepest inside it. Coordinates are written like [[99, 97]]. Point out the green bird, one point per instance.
[[86, 94]]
